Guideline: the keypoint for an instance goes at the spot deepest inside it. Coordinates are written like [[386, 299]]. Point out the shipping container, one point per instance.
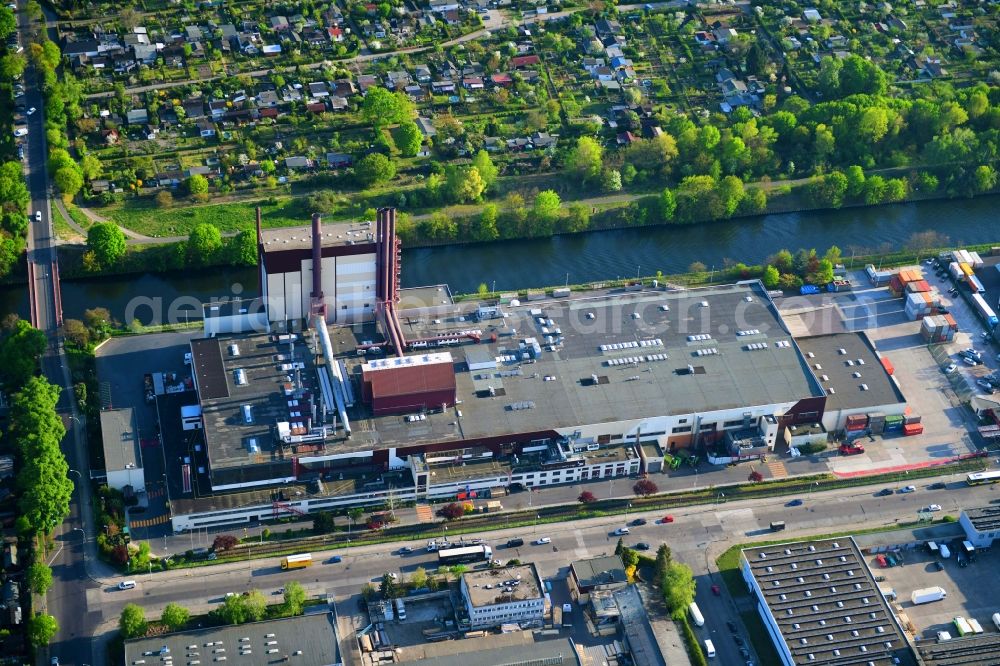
[[966, 268], [918, 286], [913, 429], [912, 418], [878, 278], [974, 284], [977, 261]]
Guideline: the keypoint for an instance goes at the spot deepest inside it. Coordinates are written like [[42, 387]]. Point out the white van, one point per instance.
[[126, 585], [709, 648], [933, 547], [943, 549], [696, 615]]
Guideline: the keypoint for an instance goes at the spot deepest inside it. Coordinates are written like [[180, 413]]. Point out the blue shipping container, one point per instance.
[[809, 289]]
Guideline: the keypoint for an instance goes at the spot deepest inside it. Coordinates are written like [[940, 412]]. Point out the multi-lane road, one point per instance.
[[696, 536]]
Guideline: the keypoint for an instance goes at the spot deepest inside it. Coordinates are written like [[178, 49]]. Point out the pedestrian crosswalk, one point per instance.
[[777, 469], [149, 522], [424, 513]]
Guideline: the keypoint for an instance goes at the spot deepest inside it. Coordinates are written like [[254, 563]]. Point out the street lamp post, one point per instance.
[[83, 543], [536, 524], [720, 498]]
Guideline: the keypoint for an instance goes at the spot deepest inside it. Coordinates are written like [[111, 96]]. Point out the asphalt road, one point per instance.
[[695, 536], [72, 644]]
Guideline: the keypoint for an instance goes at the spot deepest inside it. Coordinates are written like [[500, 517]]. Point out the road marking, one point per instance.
[[424, 513], [777, 469], [150, 522]]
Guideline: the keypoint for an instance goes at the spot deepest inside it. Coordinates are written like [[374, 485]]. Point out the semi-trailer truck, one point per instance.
[[297, 561]]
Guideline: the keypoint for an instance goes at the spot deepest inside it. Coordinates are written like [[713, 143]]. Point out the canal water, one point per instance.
[[577, 258]]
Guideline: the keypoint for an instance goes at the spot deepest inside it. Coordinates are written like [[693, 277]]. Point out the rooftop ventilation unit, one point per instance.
[[818, 366], [842, 351], [861, 361], [241, 377], [864, 387], [704, 304], [850, 363], [810, 355], [750, 331], [234, 349], [699, 337]]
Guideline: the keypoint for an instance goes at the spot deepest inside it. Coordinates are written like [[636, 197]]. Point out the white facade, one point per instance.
[[517, 610], [132, 476], [348, 290]]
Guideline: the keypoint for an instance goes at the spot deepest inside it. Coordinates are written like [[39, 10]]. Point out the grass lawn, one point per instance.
[[158, 222], [78, 216], [62, 228]]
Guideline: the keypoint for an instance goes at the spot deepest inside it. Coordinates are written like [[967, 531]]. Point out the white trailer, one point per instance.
[[928, 594]]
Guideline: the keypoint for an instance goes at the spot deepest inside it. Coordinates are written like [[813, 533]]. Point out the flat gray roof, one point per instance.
[[606, 570], [307, 640], [827, 605], [840, 368], [502, 588], [984, 518], [559, 383], [300, 238], [961, 651], [120, 439], [635, 624], [513, 649], [261, 358]]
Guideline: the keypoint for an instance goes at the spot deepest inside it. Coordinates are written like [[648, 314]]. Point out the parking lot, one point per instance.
[[972, 591]]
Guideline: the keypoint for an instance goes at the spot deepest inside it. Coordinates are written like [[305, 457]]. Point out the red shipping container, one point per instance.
[[913, 429], [887, 364]]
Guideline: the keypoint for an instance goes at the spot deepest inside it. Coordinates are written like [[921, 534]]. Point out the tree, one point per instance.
[[323, 522], [586, 497], [20, 350], [8, 23], [69, 180], [452, 511], [108, 242], [829, 190], [295, 598], [204, 243], [770, 277], [374, 168], [855, 180], [242, 248], [620, 546], [756, 59], [874, 190], [41, 629], [585, 159], [12, 66], [577, 218], [408, 138], [382, 107], [463, 184], [755, 477], [487, 170], [132, 622], [663, 559], [196, 185], [13, 190], [645, 487], [354, 513], [666, 205], [164, 199], [240, 608], [984, 179], [39, 578], [388, 586], [175, 616], [419, 578], [76, 332], [678, 588], [91, 167], [484, 228], [225, 542], [611, 180], [546, 211]]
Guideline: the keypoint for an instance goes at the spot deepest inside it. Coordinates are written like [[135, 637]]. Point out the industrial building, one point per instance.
[[518, 648], [407, 394], [306, 640], [821, 605], [122, 450], [498, 596], [604, 574], [981, 525]]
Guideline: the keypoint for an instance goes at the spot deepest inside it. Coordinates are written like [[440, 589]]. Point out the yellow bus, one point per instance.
[[297, 561]]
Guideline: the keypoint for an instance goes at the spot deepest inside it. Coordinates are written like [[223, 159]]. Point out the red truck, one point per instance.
[[851, 449]]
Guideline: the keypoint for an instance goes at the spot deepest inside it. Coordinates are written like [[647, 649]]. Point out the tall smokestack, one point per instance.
[[317, 266]]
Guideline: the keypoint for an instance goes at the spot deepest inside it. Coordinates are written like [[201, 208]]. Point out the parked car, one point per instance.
[[667, 519], [542, 541], [335, 559], [932, 507], [405, 550], [950, 368], [642, 545], [884, 492], [639, 521], [38, 216], [794, 502], [985, 385], [31, 110], [908, 489], [937, 485], [970, 361], [621, 531]]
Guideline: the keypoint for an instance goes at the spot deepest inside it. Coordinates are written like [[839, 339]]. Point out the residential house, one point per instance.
[[270, 112], [472, 83], [100, 186], [415, 92], [292, 94], [279, 23], [145, 54], [450, 71], [202, 170], [426, 127], [626, 138], [84, 47], [724, 35], [703, 38], [422, 73], [338, 160], [193, 33], [501, 80], [217, 108], [292, 163], [442, 87], [337, 103], [316, 107], [318, 89], [441, 6], [267, 98], [603, 73], [271, 49], [608, 29], [111, 136], [397, 80], [520, 62], [194, 109], [366, 81], [812, 16], [335, 34], [206, 128], [137, 117], [494, 144], [343, 88], [452, 17]]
